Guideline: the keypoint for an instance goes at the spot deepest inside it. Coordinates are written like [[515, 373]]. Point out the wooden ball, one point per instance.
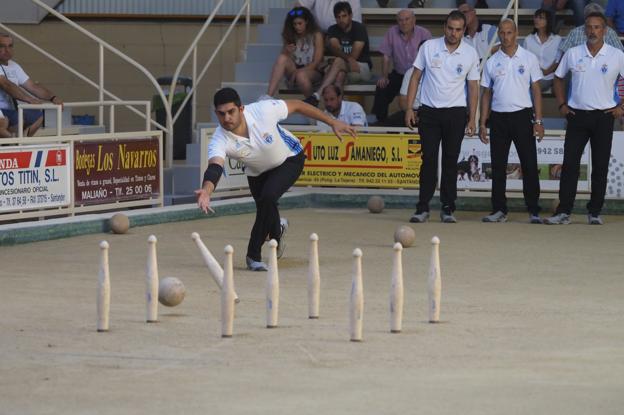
[[171, 291], [405, 235], [375, 204], [119, 223]]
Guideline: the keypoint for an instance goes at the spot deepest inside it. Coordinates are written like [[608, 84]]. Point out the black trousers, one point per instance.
[[516, 127], [384, 97], [435, 125], [597, 127], [266, 190]]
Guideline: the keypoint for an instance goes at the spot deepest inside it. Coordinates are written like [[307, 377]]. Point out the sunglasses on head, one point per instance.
[[295, 12]]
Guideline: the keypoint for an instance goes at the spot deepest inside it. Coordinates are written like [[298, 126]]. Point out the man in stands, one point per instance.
[[348, 42], [351, 113], [577, 35], [16, 86], [323, 11], [478, 35], [399, 49]]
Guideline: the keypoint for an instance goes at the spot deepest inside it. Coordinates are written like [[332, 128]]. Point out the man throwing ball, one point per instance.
[[273, 159]]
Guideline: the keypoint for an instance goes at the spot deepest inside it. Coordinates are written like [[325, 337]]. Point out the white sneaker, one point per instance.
[[421, 217], [535, 219], [256, 265], [594, 219], [281, 245], [447, 217], [558, 219], [497, 216]]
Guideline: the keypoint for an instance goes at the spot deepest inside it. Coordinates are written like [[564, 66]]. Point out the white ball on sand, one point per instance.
[[171, 291], [405, 235], [119, 223], [375, 204]]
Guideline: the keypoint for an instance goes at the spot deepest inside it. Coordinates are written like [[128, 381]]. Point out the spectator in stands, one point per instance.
[[544, 44], [445, 65], [397, 119], [348, 41], [553, 6], [16, 86], [4, 127], [399, 48], [411, 5], [615, 15], [590, 109], [578, 37], [323, 11], [478, 35], [302, 53], [350, 113], [510, 94]]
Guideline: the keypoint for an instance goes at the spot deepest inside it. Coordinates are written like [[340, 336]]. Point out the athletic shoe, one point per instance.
[[312, 100], [558, 219], [256, 265], [535, 219], [414, 4], [594, 219], [497, 216], [383, 3], [421, 217], [447, 217], [281, 245]]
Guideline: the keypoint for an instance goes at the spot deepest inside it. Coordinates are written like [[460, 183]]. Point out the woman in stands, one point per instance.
[[302, 53], [545, 45]]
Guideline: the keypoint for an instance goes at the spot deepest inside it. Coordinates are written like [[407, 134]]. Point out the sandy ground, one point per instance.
[[532, 323]]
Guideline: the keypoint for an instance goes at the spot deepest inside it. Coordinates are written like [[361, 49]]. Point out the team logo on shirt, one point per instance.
[[604, 68], [268, 138], [521, 69], [459, 68]]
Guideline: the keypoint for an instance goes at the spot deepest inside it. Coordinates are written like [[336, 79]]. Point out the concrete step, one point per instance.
[[248, 91], [266, 52], [253, 71], [170, 200], [186, 179], [269, 33], [193, 154], [277, 15]]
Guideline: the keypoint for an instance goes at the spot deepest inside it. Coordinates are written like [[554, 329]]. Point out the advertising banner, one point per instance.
[[371, 160], [34, 177], [474, 169], [114, 171], [615, 177]]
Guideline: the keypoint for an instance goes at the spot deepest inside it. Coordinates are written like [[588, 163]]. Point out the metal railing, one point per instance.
[[103, 92]]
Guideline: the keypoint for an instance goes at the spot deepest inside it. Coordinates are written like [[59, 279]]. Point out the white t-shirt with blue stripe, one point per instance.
[[268, 144]]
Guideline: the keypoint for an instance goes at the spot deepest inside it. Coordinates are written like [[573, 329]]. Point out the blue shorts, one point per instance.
[[30, 116]]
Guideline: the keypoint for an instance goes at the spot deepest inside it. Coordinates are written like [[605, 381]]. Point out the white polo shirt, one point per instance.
[[15, 74], [510, 78], [351, 113], [268, 144], [445, 73], [593, 77], [405, 87], [482, 38], [547, 52]]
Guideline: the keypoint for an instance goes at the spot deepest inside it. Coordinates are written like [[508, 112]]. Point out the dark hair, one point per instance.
[[225, 96], [550, 21], [336, 89], [342, 6], [478, 4], [597, 14], [455, 15], [288, 32]]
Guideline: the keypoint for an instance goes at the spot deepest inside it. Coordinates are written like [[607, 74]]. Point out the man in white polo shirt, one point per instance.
[[444, 64], [508, 78], [351, 113], [590, 110], [273, 159]]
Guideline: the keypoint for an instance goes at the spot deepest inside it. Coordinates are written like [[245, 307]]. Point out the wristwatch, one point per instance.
[[538, 122]]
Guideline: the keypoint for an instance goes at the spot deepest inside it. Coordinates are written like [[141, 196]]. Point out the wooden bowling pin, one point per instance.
[[213, 266], [103, 290], [356, 303], [272, 287], [151, 282], [314, 279], [396, 290], [434, 283], [227, 294]]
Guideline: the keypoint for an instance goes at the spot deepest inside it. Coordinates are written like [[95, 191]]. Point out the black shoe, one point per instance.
[[383, 3], [312, 100]]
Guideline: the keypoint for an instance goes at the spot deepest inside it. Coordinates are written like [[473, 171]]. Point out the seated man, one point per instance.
[[4, 127], [16, 86], [348, 112], [478, 35], [398, 118], [323, 11], [349, 44]]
